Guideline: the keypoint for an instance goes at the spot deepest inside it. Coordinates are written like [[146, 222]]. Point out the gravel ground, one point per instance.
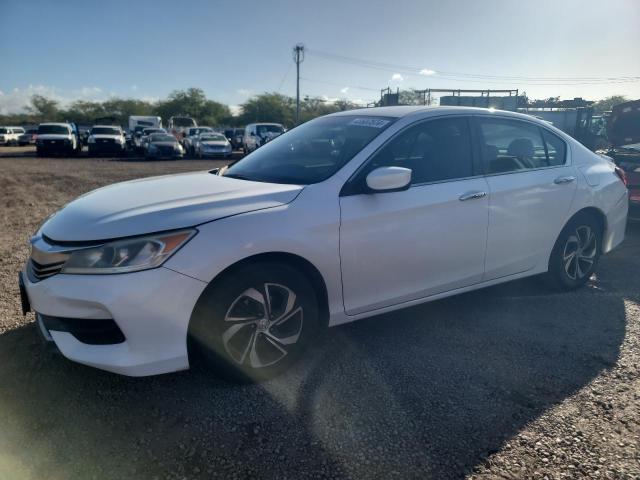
[[513, 381]]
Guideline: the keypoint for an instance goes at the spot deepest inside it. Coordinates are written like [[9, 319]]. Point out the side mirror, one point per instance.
[[389, 179]]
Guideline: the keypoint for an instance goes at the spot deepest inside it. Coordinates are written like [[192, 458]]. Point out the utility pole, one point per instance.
[[298, 57]]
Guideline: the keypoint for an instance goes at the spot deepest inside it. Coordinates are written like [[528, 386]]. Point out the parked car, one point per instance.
[[191, 136], [257, 134], [146, 133], [106, 139], [212, 145], [58, 138], [344, 217], [28, 137], [10, 135], [163, 145]]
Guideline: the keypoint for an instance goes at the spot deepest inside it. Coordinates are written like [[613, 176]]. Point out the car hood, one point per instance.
[[214, 143], [164, 144], [161, 203]]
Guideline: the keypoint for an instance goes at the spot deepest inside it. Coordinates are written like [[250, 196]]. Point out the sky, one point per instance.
[[71, 50]]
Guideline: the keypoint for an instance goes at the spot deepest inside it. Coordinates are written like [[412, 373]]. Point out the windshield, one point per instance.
[[53, 129], [311, 152], [105, 131], [183, 122], [211, 138], [162, 137], [4, 130], [149, 131], [263, 129]]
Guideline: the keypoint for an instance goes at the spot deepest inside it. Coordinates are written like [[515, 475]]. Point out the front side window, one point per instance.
[[311, 152], [435, 150], [510, 146]]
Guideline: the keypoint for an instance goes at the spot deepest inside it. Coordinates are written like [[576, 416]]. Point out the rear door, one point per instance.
[[531, 187]]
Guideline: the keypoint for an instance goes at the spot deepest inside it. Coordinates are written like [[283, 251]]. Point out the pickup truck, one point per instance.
[[58, 138]]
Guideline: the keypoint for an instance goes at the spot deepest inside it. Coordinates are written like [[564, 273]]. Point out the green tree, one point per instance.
[[269, 107], [43, 108], [608, 103]]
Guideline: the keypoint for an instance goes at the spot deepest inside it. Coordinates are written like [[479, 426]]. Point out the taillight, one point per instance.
[[623, 176]]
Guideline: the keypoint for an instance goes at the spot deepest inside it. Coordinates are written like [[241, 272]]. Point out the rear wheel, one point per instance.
[[256, 322], [576, 253]]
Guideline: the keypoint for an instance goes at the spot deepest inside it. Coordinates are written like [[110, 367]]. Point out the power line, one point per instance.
[[284, 78], [351, 87], [459, 76]]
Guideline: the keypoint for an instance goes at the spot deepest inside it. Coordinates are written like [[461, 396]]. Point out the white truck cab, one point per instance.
[[58, 138], [9, 135]]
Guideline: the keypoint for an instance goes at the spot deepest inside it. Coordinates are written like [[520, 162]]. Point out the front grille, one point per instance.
[[46, 259], [106, 140], [40, 271], [166, 150]]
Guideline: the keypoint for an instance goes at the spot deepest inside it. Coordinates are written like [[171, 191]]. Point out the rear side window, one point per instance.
[[556, 148], [511, 146], [434, 150]]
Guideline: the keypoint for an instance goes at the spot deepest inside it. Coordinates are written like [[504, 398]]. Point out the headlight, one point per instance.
[[129, 255], [91, 140]]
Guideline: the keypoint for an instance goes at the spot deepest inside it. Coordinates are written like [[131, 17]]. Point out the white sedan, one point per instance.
[[212, 145], [346, 216]]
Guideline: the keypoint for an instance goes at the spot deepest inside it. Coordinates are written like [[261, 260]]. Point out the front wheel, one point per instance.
[[256, 322], [576, 253]]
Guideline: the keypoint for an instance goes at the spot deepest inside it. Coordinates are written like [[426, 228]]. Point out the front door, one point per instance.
[[401, 246]]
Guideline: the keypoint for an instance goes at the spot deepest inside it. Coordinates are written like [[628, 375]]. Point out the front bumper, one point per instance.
[[216, 153], [106, 147], [151, 308]]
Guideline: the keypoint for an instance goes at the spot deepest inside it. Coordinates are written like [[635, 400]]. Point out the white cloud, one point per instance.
[[245, 92], [90, 91], [18, 99], [134, 88], [235, 110], [396, 77], [344, 90], [427, 72]]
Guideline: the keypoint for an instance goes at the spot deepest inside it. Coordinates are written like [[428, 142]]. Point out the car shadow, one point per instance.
[[425, 392]]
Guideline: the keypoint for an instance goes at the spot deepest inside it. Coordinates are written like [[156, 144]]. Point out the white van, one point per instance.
[[257, 134], [144, 121]]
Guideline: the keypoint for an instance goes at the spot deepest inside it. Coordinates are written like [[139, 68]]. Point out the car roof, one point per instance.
[[106, 126], [419, 110], [60, 124]]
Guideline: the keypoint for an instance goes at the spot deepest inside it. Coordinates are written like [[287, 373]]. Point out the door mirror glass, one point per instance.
[[386, 179]]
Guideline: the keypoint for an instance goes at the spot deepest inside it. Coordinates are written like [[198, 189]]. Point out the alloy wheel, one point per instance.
[[579, 253], [263, 325]]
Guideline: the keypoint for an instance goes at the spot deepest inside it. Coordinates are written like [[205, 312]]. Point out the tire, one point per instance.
[[575, 255], [264, 345]]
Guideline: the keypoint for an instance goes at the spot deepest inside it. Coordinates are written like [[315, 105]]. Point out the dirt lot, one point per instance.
[[508, 382]]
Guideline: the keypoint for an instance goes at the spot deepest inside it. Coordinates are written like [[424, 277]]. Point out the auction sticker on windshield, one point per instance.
[[369, 122]]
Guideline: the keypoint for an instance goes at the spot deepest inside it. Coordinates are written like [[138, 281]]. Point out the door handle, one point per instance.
[[563, 180], [471, 195]]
